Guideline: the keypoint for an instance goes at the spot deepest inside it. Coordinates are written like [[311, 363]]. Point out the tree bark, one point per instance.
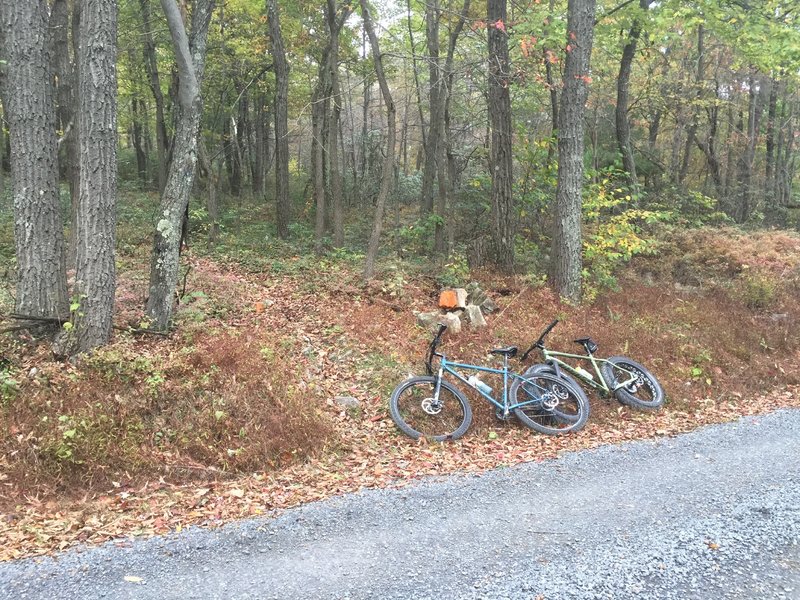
[[446, 174], [65, 73], [261, 127], [151, 63], [38, 234], [769, 166], [567, 236], [432, 13], [137, 127], [692, 131], [621, 113], [336, 175], [501, 156], [95, 275], [283, 207], [745, 207], [388, 162], [190, 58]]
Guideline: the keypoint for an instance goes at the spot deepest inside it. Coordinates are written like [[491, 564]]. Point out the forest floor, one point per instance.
[[233, 415]]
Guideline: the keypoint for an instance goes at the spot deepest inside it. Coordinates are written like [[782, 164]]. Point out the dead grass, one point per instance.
[[240, 402]]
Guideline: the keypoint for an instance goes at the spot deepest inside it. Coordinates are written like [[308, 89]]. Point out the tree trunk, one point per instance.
[[190, 58], [547, 55], [692, 131], [38, 233], [65, 72], [432, 12], [415, 71], [567, 236], [95, 275], [621, 112], [500, 156], [151, 63], [769, 167], [745, 167], [261, 127], [445, 175], [388, 162], [137, 114], [321, 117], [282, 205], [336, 175], [207, 169]]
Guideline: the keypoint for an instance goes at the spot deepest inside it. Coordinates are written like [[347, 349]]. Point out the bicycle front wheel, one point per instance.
[[549, 404], [419, 412], [641, 388]]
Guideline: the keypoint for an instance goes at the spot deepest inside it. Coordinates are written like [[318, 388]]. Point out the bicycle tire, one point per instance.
[[628, 395], [408, 404], [542, 388]]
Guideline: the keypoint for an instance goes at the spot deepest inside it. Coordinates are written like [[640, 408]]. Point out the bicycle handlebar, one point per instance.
[[540, 342]]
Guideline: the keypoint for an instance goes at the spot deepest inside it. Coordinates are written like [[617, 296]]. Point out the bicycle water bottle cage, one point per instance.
[[511, 351], [588, 343]]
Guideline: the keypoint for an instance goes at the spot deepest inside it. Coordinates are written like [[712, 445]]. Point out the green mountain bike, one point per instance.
[[434, 408], [627, 380]]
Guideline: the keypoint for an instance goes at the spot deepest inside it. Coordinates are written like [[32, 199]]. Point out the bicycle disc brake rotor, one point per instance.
[[634, 386], [550, 400], [560, 392], [431, 406]]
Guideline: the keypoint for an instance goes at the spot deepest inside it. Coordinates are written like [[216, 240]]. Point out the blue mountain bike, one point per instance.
[[432, 407]]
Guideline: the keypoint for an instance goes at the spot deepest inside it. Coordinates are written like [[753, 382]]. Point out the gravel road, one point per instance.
[[710, 514]]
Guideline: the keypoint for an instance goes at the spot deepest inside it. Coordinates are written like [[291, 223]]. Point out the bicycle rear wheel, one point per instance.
[[642, 389], [549, 404], [417, 411]]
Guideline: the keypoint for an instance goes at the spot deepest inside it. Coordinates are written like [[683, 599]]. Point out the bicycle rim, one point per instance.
[[427, 416]]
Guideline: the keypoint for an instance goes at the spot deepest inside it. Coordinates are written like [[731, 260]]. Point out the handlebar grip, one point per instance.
[[549, 328]]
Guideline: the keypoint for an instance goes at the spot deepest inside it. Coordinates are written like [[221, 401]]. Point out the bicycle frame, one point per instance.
[[553, 358], [446, 366]]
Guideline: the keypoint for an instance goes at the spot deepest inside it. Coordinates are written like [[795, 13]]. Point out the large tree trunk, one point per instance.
[[190, 58], [283, 207], [38, 233], [621, 112], [388, 162], [500, 157], [567, 236], [65, 72], [151, 63], [95, 276]]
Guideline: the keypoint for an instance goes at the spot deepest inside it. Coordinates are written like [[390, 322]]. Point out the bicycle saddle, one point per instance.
[[511, 351], [588, 343]]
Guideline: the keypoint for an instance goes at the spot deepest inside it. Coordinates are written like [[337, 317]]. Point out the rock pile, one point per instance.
[[468, 304]]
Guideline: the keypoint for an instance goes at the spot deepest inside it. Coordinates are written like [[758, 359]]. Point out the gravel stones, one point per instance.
[[676, 518]]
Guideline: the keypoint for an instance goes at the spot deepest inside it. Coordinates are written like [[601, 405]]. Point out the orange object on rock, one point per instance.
[[448, 299], [259, 306]]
